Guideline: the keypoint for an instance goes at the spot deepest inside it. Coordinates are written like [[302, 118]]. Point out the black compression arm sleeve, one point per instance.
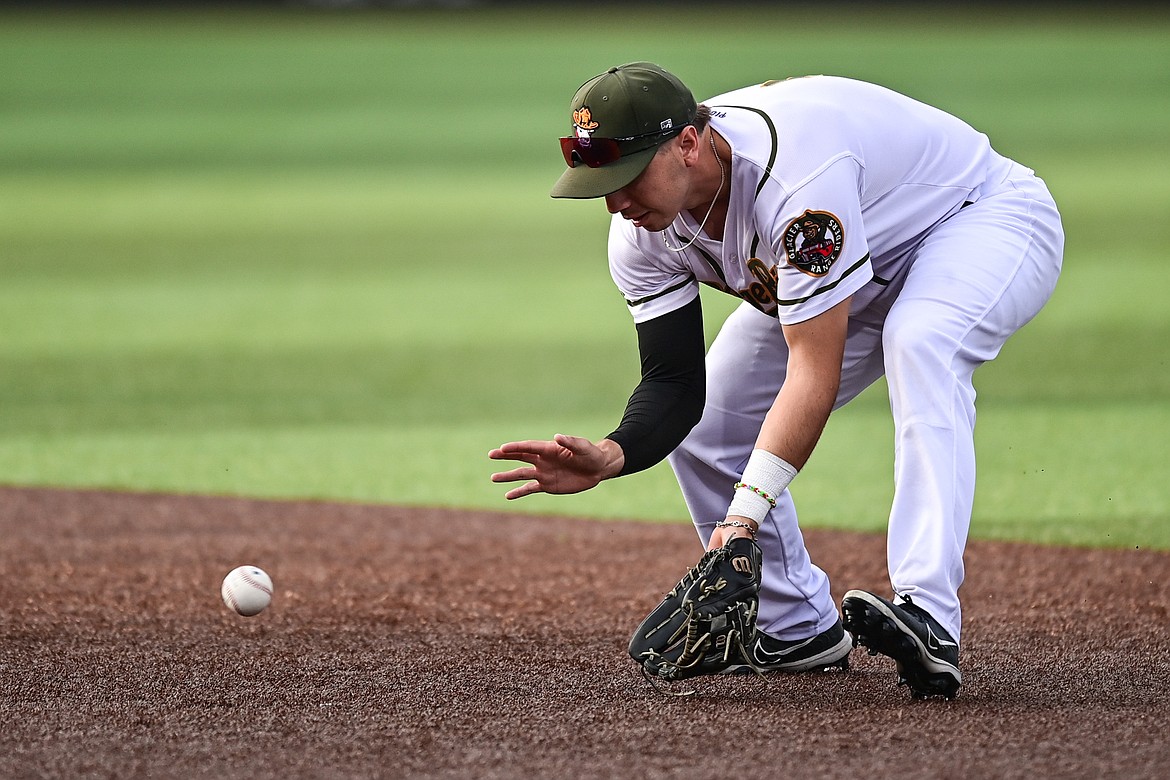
[[668, 402]]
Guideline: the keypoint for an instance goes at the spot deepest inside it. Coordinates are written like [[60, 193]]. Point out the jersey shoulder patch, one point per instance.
[[813, 242]]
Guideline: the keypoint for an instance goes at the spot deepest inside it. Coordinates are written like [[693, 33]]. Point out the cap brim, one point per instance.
[[585, 182]]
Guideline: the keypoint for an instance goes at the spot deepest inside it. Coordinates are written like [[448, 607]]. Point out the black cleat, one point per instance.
[[927, 656], [827, 650]]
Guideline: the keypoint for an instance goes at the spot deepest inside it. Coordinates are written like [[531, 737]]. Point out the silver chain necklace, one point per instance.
[[703, 224]]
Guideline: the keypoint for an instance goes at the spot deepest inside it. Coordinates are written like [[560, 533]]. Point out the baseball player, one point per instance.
[[867, 234]]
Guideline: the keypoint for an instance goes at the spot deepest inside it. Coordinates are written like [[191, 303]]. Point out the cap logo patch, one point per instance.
[[813, 242], [583, 124]]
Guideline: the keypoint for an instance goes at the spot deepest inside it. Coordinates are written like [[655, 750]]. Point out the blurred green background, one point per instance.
[[293, 253]]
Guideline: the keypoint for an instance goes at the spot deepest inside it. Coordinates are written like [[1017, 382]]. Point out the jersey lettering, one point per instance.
[[762, 292]]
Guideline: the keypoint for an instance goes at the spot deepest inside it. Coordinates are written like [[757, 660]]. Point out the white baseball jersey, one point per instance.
[[833, 183], [841, 188]]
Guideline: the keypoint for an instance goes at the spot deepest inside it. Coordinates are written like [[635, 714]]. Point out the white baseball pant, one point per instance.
[[975, 280]]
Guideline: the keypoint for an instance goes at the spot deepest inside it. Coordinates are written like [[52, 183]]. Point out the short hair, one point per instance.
[[702, 117]]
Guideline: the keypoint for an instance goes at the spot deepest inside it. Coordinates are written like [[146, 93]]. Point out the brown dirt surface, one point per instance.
[[437, 643]]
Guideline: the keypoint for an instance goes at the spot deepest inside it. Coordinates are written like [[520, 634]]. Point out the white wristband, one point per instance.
[[765, 477]]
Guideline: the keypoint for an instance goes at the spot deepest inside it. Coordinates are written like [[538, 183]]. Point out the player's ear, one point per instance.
[[689, 146]]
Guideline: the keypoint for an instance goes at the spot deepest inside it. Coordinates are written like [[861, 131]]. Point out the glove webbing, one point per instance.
[[692, 654]]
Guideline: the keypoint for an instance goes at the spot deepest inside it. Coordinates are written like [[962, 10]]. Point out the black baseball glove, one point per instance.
[[707, 622]]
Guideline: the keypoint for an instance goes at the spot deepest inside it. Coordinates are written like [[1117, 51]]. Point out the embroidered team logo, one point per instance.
[[813, 242], [583, 124]]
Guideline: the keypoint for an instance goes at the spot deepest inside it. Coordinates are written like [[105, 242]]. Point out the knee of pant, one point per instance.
[[711, 449], [696, 448], [916, 345], [927, 373]]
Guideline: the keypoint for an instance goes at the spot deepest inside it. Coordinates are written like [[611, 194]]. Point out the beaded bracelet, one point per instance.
[[757, 491], [737, 524]]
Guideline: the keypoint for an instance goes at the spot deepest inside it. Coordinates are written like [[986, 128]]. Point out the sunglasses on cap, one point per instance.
[[596, 152]]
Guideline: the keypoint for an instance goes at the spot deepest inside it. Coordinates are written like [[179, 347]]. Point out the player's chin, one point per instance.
[[652, 222]]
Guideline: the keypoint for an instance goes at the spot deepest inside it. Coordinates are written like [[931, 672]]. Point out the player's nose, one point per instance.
[[616, 201]]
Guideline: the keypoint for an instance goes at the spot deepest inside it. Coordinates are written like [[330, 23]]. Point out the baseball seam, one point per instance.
[[255, 583]]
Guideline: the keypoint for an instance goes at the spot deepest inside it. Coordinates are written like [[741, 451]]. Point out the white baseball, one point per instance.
[[247, 590]]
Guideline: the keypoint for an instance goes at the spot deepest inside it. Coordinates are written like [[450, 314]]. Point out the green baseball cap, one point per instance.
[[620, 118]]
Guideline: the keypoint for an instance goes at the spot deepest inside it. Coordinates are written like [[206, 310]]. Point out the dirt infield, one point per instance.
[[449, 644]]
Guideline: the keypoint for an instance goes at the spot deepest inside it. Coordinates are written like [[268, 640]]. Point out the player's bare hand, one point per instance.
[[566, 464]]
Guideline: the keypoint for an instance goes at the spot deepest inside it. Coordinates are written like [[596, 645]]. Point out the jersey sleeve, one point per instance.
[[815, 230], [652, 283]]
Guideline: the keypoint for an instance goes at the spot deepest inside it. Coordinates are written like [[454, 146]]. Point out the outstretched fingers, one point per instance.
[[526, 489], [566, 464], [528, 451], [523, 472]]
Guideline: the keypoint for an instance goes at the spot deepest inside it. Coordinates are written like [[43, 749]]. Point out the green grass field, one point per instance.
[[293, 254]]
